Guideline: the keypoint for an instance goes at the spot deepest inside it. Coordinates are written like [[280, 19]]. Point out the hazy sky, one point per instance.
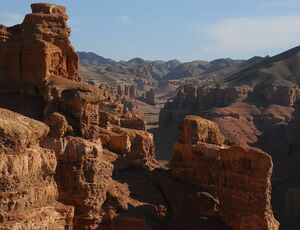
[[175, 29]]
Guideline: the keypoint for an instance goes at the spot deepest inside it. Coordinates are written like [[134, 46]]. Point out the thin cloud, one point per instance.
[[240, 37], [125, 19], [10, 19], [281, 2]]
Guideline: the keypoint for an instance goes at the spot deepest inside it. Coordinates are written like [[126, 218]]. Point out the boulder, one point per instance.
[[58, 125], [18, 132]]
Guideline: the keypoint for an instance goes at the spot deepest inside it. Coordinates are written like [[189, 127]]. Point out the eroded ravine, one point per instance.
[[89, 163]]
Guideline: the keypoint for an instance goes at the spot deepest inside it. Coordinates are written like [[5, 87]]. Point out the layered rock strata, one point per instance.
[[238, 177], [36, 49], [28, 192], [42, 66], [96, 168]]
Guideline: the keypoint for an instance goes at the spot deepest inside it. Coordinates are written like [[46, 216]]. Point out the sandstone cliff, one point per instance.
[[37, 48], [93, 165], [238, 177], [28, 192], [263, 115], [39, 68]]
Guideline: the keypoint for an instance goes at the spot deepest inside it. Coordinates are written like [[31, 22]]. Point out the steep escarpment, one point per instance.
[[36, 49], [258, 107], [281, 69], [238, 177], [89, 162], [81, 117], [245, 115]]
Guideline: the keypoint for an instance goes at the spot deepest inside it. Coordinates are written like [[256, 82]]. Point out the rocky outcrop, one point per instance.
[[127, 90], [192, 100], [36, 49], [96, 168], [79, 116], [137, 145], [150, 97], [133, 123], [132, 91], [79, 102], [273, 94], [238, 177], [28, 192], [265, 116], [195, 130], [82, 176], [209, 97]]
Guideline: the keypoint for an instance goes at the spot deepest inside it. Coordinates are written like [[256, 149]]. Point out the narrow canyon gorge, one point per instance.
[[80, 155]]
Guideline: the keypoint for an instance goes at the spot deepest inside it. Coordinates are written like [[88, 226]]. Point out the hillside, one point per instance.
[[281, 69]]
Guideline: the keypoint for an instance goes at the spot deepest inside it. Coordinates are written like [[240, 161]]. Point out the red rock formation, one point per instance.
[[150, 97], [134, 123], [272, 94], [239, 177], [191, 100], [137, 145], [127, 90], [82, 176], [132, 91], [120, 90], [70, 108], [37, 48], [28, 193], [106, 190], [195, 130]]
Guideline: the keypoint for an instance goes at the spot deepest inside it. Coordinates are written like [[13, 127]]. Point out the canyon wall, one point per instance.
[[89, 163], [39, 78], [238, 177], [265, 116], [28, 192], [37, 48]]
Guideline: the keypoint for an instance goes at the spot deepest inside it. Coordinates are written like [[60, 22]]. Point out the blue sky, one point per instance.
[[175, 29]]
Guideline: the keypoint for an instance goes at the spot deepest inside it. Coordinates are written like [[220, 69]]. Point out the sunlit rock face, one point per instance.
[[37, 48], [28, 192], [91, 163]]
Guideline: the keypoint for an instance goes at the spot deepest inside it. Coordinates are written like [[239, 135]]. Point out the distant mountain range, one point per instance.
[[281, 69], [93, 66], [89, 58]]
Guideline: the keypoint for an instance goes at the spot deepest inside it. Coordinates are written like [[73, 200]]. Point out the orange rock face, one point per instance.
[[82, 176], [68, 178], [28, 192], [196, 130], [37, 48], [138, 145], [238, 177]]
